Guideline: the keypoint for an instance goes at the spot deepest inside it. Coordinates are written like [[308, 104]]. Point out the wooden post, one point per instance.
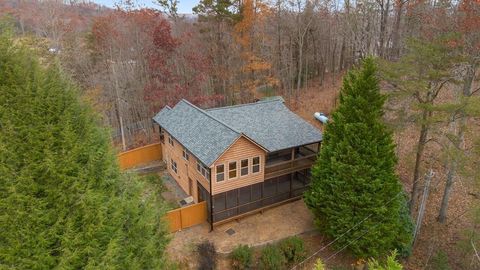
[[211, 202]]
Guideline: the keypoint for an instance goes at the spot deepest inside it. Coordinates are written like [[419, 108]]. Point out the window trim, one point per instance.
[[185, 154], [173, 166], [236, 169], [201, 168], [217, 173], [242, 167], [259, 165]]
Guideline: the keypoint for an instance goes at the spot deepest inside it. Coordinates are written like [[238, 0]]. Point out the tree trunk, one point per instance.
[[396, 29], [422, 140], [383, 26], [452, 170]]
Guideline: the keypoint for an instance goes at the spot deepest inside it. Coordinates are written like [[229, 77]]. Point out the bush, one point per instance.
[[319, 265], [207, 256], [390, 264], [440, 262], [241, 257], [272, 258], [294, 249]]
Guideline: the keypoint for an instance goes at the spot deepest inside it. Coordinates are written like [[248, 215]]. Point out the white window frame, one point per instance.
[[244, 167], [259, 165], [174, 166], [203, 170], [185, 154], [236, 169], [217, 173]]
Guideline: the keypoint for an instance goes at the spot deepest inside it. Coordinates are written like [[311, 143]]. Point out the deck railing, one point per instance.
[[285, 167]]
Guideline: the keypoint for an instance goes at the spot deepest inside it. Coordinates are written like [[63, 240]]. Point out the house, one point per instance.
[[239, 159]]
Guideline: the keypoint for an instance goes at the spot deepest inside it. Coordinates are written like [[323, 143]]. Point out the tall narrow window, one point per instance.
[[162, 136], [232, 169], [255, 164], [244, 167], [185, 154], [174, 166], [220, 173], [170, 140]]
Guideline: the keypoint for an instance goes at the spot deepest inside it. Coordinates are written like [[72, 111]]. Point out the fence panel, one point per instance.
[[141, 155], [188, 216]]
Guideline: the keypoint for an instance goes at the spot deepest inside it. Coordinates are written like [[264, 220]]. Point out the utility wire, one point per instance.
[[343, 234]]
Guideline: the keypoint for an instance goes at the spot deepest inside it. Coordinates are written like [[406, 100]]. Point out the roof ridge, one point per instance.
[[209, 115], [244, 104]]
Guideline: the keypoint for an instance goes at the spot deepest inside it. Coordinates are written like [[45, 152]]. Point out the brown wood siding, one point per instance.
[[241, 149], [185, 169]]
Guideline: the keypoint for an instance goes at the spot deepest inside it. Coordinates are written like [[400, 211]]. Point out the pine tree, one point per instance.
[[63, 201], [356, 195]]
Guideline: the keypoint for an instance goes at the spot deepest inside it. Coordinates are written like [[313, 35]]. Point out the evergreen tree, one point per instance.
[[63, 201], [354, 185]]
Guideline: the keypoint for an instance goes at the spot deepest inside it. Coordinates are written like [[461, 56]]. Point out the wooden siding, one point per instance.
[[139, 156], [185, 169], [240, 149]]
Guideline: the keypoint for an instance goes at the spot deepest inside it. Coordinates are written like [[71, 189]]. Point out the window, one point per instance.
[[232, 169], [203, 170], [174, 166], [220, 173], [162, 136], [170, 140], [255, 164], [185, 154], [244, 167]]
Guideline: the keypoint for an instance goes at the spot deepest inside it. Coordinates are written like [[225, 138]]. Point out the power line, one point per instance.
[[356, 239], [343, 234]]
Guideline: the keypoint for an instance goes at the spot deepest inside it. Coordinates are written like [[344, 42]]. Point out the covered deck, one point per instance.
[[290, 160]]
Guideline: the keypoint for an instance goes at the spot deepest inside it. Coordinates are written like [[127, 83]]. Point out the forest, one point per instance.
[[129, 62]]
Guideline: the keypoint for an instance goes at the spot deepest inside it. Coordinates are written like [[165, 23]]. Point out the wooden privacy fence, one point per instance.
[[188, 216], [141, 155]]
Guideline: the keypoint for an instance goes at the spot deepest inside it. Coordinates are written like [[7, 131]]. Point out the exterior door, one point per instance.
[[201, 193]]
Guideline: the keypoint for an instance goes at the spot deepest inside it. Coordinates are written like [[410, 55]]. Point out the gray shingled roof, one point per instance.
[[204, 136], [208, 133], [269, 123]]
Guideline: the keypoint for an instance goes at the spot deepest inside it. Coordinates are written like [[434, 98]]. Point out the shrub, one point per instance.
[[390, 264], [319, 265], [294, 249], [440, 262], [207, 256], [241, 257], [272, 258]]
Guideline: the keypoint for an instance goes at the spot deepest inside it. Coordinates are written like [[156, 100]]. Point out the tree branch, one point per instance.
[[474, 91]]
